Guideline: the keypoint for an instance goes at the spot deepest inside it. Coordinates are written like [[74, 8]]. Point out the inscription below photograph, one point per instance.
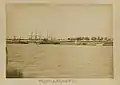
[[59, 41]]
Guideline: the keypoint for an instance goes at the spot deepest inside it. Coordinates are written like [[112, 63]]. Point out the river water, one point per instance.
[[73, 61]]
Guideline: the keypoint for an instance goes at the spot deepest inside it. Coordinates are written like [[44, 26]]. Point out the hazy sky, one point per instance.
[[59, 20]]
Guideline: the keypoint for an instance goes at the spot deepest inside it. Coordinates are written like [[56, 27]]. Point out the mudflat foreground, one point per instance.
[[72, 61]]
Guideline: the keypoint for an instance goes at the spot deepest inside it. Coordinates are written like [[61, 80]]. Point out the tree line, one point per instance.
[[92, 38]]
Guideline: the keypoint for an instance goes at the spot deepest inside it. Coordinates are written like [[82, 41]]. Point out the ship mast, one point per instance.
[[47, 34], [14, 37], [35, 35], [31, 35]]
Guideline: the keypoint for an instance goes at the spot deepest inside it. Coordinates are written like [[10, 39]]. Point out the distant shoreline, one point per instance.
[[62, 42], [58, 44]]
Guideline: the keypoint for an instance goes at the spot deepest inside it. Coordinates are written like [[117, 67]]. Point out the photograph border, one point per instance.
[[31, 81]]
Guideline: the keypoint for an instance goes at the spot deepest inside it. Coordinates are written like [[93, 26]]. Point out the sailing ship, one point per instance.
[[38, 40]]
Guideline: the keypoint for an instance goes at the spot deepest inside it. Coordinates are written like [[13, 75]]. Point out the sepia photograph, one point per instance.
[[59, 41]]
